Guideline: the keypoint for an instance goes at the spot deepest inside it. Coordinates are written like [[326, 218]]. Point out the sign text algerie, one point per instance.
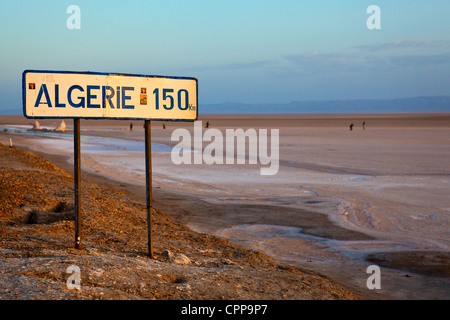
[[92, 95]]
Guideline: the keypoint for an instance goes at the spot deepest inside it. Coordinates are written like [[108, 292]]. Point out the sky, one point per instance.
[[240, 51]]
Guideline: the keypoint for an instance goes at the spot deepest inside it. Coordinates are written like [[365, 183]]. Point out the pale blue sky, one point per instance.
[[241, 51]]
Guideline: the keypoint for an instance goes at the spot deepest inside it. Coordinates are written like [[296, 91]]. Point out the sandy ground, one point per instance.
[[341, 201]]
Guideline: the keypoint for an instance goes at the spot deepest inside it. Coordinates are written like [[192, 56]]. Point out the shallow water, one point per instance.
[[64, 141]]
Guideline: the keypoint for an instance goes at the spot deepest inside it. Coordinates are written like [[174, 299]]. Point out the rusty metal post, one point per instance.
[[148, 182], [77, 176]]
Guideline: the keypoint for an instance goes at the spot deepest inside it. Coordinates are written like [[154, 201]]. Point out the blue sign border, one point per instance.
[[103, 74]]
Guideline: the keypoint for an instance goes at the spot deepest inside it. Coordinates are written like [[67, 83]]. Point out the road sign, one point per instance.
[[93, 95]]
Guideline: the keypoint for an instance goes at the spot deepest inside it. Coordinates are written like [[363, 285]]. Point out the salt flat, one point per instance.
[[339, 200]]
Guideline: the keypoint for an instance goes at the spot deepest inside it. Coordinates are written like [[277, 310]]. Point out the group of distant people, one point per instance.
[[363, 125], [206, 126]]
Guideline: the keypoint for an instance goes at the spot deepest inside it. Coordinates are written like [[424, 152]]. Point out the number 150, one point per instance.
[[167, 94]]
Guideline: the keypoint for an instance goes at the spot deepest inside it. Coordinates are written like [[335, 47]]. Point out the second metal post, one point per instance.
[[148, 182]]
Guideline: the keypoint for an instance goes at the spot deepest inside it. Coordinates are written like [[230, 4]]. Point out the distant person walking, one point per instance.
[[364, 125], [131, 126], [207, 124], [351, 127]]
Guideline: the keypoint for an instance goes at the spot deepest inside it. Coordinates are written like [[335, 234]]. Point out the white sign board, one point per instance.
[[92, 95]]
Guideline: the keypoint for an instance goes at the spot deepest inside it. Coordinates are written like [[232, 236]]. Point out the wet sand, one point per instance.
[[298, 216]]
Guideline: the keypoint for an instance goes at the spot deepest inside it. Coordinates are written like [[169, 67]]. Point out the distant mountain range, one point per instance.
[[406, 105]]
